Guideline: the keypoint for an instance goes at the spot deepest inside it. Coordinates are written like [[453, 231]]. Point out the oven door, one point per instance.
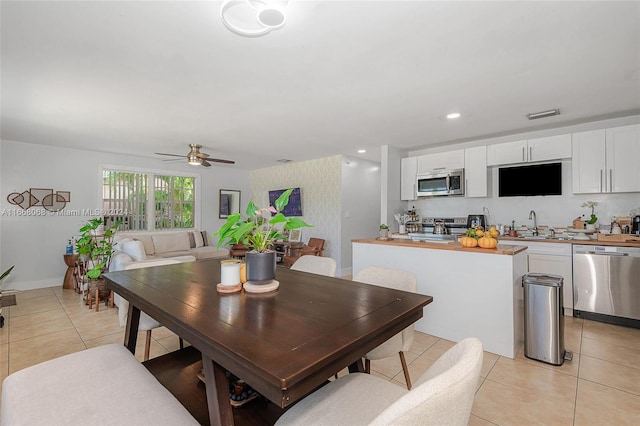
[[444, 183]]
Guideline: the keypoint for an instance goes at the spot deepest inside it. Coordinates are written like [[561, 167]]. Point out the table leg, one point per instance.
[[131, 330], [357, 367], [220, 411]]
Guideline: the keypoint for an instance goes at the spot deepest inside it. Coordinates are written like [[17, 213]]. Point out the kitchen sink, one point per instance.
[[546, 237]]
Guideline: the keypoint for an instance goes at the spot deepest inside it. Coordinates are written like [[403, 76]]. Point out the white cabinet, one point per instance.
[[475, 171], [532, 150], [551, 258], [450, 160], [408, 171], [606, 161]]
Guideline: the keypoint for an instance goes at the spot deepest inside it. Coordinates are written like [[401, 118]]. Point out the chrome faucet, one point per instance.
[[532, 215]]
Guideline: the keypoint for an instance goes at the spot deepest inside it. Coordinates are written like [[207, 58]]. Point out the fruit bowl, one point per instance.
[[478, 237]]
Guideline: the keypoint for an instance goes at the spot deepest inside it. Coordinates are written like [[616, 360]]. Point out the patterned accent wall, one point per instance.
[[320, 189]]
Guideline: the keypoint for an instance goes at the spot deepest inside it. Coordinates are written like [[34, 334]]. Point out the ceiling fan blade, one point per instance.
[[202, 155], [172, 155], [218, 160], [205, 163], [174, 159]]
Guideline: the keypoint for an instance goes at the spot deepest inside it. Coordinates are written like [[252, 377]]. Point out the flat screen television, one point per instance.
[[536, 179], [294, 208]]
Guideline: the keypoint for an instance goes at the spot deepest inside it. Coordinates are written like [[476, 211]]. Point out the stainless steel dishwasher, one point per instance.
[[606, 284]]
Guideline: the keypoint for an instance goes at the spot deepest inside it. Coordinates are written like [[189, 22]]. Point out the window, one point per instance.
[[147, 201]]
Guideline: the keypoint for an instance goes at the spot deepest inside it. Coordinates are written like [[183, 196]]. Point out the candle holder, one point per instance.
[[229, 276]]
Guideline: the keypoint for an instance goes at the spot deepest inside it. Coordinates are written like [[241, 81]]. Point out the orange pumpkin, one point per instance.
[[468, 242], [488, 242]]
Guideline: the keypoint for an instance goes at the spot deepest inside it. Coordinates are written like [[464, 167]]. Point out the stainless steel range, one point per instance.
[[432, 228]]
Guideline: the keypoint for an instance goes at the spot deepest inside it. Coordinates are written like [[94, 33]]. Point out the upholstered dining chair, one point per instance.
[[401, 342], [146, 322], [443, 395], [316, 265], [315, 247]]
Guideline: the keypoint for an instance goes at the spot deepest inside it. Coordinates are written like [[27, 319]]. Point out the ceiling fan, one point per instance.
[[197, 158]]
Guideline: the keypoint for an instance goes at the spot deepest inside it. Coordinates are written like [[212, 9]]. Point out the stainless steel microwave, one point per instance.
[[449, 182]]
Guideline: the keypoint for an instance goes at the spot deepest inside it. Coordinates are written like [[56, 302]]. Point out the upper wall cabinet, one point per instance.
[[408, 172], [606, 160], [450, 160], [475, 171], [524, 151]]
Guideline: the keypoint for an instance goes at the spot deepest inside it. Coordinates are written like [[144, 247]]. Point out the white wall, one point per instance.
[[360, 205], [320, 188], [550, 210], [35, 244]]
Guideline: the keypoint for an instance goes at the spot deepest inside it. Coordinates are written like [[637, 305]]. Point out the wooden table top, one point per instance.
[[284, 343]]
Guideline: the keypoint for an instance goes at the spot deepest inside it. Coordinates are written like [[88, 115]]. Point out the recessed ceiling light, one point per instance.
[[453, 115], [362, 151]]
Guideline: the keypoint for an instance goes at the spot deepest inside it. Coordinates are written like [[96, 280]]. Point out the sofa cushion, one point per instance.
[[170, 242], [147, 241], [197, 239], [209, 252], [133, 248]]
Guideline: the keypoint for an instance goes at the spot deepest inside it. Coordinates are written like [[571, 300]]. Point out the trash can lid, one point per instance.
[[542, 279]]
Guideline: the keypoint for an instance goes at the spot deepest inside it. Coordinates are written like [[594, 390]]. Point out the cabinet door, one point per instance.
[[440, 161], [549, 148], [588, 162], [408, 169], [623, 155], [507, 153], [557, 265], [475, 171]]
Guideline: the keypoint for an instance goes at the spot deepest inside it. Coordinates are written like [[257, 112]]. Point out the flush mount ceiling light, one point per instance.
[[253, 18], [362, 151], [453, 115], [543, 114]]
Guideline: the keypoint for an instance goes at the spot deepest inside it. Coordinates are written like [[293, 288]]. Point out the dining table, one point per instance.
[[285, 344]]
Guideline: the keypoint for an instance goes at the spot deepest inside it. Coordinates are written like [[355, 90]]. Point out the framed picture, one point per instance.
[[295, 235]]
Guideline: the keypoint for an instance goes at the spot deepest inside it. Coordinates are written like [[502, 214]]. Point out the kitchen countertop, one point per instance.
[[582, 242], [503, 249]]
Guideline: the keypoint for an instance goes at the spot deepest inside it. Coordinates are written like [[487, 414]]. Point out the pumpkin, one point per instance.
[[468, 242], [488, 242]]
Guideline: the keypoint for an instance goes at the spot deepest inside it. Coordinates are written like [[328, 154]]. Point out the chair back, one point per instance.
[[316, 265], [318, 244], [444, 394], [399, 280], [146, 322]]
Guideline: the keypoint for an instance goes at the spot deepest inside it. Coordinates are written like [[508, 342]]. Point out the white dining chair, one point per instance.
[[401, 342], [316, 265], [443, 395], [146, 322]]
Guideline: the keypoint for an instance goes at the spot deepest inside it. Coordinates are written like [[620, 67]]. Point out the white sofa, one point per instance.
[[145, 247]]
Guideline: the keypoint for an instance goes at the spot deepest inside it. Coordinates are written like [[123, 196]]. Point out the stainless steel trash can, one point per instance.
[[544, 319]]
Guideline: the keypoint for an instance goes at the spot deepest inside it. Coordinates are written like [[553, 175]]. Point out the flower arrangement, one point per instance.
[[592, 205], [261, 227]]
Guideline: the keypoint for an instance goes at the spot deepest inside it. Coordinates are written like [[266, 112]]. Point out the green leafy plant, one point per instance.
[[592, 205], [95, 246], [262, 226], [383, 226]]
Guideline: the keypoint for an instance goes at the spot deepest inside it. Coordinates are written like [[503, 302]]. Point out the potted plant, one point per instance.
[[258, 232], [591, 222], [95, 247], [4, 275], [384, 231]]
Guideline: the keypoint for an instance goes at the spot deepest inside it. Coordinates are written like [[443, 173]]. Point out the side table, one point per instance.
[[69, 281]]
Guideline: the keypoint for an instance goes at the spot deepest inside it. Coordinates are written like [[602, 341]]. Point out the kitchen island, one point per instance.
[[476, 292]]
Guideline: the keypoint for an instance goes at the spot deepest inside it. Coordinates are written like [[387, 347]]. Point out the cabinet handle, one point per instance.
[[610, 180], [600, 180], [439, 168], [523, 154], [415, 192], [530, 153]]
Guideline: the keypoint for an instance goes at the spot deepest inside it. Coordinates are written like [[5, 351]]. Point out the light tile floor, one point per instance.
[[600, 386]]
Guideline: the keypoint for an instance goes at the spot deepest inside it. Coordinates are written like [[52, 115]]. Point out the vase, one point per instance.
[[591, 226], [384, 233], [402, 229], [261, 267]]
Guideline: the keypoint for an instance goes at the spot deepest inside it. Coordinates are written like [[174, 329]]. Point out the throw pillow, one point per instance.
[[171, 241], [197, 237], [135, 249], [204, 238], [192, 240]]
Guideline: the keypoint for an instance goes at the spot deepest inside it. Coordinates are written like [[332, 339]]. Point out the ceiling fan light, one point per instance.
[[194, 160], [273, 18]]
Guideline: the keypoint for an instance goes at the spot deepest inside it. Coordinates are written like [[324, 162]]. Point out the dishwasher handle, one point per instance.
[[601, 253]]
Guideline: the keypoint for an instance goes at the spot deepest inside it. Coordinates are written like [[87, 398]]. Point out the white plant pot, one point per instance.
[[402, 229]]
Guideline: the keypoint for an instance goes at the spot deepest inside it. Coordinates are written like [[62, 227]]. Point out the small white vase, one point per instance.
[[591, 226], [402, 229]]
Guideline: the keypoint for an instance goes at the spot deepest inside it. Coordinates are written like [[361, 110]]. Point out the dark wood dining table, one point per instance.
[[284, 344]]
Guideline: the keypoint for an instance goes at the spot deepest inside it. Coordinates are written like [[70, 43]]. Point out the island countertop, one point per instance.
[[503, 249]]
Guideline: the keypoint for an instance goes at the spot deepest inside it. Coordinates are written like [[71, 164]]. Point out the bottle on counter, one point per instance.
[[69, 249]]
